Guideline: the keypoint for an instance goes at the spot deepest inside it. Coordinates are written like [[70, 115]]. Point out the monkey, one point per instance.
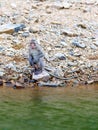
[[36, 57]]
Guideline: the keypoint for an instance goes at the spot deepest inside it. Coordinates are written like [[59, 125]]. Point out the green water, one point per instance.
[[49, 108]]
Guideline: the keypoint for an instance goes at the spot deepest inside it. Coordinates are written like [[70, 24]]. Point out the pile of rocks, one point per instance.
[[67, 31]]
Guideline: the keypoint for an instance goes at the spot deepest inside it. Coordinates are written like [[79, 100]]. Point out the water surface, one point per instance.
[[49, 108]]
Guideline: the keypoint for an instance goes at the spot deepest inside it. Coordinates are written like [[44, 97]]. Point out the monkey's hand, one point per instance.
[[35, 60]]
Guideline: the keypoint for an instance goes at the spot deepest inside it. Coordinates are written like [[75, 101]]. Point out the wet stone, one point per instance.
[[18, 86], [1, 82]]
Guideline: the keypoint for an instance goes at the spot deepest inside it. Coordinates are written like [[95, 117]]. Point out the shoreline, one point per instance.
[[67, 32]]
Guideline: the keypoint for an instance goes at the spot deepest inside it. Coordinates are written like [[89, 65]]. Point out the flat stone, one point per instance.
[[90, 81], [11, 28], [42, 75]]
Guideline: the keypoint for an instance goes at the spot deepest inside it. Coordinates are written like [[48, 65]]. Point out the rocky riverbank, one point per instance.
[[67, 32]]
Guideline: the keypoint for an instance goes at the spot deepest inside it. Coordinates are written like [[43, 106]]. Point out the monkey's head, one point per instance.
[[33, 43]]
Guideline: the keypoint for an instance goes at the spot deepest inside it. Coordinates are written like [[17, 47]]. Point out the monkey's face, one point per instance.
[[32, 45]]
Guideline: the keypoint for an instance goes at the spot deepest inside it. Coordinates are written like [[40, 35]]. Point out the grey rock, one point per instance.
[[58, 72], [11, 28], [63, 5], [76, 54], [11, 66], [71, 63], [25, 34], [2, 73], [16, 41], [75, 83], [96, 43], [78, 44], [30, 30], [94, 47], [90, 82], [1, 49], [63, 43], [34, 29], [60, 56]]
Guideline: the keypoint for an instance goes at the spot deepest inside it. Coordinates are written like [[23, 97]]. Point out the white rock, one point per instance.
[[11, 66], [40, 76]]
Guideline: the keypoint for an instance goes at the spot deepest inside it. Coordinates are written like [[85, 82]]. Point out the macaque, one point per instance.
[[36, 57]]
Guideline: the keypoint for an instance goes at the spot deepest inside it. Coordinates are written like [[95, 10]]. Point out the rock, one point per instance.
[[78, 44], [11, 66], [34, 30], [60, 56], [42, 75], [75, 83], [63, 5], [1, 73], [13, 5], [82, 25], [18, 85], [76, 54], [69, 33], [63, 43], [92, 46], [89, 82], [8, 84], [11, 28], [96, 43], [50, 84], [25, 34], [90, 2], [1, 49], [58, 72], [71, 63], [1, 82], [66, 5], [16, 41]]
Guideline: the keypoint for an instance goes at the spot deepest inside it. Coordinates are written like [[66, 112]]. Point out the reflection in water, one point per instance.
[[49, 108], [36, 96]]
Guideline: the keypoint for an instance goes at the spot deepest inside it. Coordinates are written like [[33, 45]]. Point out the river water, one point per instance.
[[69, 108]]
